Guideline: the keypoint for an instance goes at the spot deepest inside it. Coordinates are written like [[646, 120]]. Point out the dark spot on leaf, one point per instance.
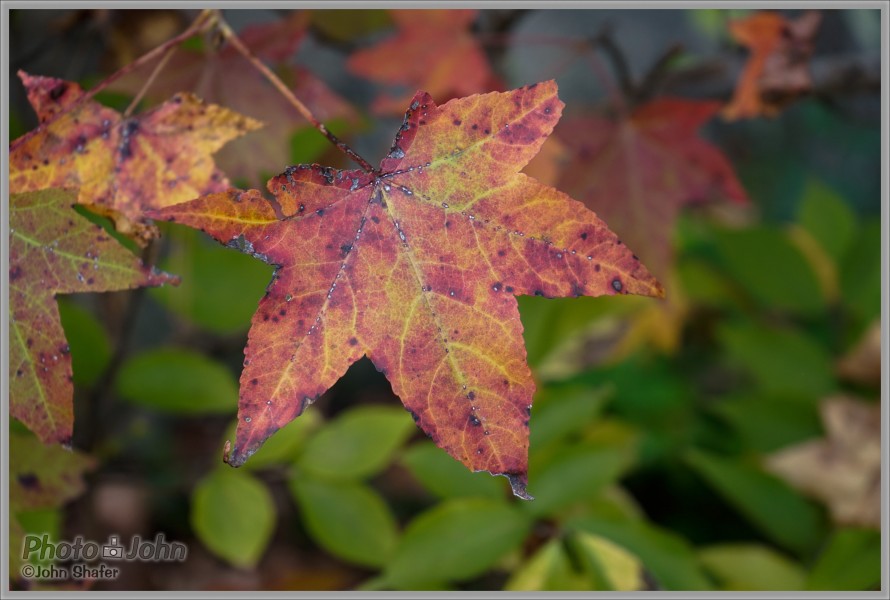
[[597, 267], [457, 121], [15, 273], [28, 481], [254, 381], [471, 396], [320, 212], [584, 236], [353, 341], [474, 421], [509, 289], [616, 285], [58, 91]]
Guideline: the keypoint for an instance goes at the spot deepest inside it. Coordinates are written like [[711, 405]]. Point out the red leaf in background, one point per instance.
[[433, 50], [225, 77], [636, 173], [778, 69]]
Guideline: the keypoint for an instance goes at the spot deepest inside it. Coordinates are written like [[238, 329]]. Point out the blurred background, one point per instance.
[[726, 438]]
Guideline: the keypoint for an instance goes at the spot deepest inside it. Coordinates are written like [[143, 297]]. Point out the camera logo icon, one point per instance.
[[113, 550]]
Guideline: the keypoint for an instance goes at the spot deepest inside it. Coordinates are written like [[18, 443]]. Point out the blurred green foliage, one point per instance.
[[648, 464]]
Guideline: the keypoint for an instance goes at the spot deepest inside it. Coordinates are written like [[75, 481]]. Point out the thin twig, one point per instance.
[[657, 73], [199, 23], [92, 430], [151, 78], [279, 85], [617, 92], [605, 42]]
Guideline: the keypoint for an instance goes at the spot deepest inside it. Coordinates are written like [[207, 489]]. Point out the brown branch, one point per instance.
[[279, 85]]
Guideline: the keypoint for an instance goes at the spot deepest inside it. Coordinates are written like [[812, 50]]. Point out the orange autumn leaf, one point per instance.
[[223, 76], [416, 265], [433, 50], [638, 172], [121, 165], [778, 68], [53, 250]]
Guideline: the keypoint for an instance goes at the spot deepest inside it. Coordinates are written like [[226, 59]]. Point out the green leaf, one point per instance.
[[42, 475], [745, 567], [828, 219], [348, 519], [552, 324], [346, 25], [357, 443], [667, 556], [766, 501], [574, 474], [782, 361], [90, 348], [850, 561], [547, 570], [36, 522], [860, 273], [611, 567], [446, 477], [455, 540], [562, 410], [307, 146], [771, 269], [178, 381], [703, 283], [233, 514], [206, 295], [769, 422], [285, 444], [16, 126]]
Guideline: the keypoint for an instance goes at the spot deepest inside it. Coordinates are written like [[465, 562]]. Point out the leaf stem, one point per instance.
[[145, 86], [279, 85], [200, 23]]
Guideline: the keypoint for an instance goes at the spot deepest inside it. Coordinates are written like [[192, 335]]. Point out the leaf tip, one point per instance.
[[518, 483]]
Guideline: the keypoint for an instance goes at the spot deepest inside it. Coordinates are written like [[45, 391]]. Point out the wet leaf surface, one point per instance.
[[417, 266]]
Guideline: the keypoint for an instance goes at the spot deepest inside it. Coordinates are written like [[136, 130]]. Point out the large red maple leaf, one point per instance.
[[416, 265]]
